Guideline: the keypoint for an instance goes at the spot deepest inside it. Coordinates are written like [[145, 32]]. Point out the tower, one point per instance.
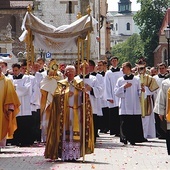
[[124, 6]]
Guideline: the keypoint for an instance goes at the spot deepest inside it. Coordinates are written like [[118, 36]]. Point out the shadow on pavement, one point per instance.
[[77, 161]]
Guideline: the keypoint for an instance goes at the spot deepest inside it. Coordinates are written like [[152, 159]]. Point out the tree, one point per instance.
[[129, 50], [149, 20]]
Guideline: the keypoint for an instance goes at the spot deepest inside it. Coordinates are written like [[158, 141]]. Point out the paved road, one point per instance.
[[109, 154]]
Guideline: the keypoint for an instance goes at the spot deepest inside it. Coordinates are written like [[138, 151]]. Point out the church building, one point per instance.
[[122, 22]]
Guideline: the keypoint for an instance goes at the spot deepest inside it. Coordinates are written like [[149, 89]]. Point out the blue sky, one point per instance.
[[113, 5]]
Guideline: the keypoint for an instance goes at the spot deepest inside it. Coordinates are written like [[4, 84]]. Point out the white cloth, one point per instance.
[[23, 89], [100, 100], [36, 94], [148, 122], [110, 83], [130, 101], [156, 103], [54, 39], [97, 90], [49, 85]]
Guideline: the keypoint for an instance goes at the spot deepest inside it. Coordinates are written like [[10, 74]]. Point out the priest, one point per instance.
[[129, 87], [9, 108], [65, 128]]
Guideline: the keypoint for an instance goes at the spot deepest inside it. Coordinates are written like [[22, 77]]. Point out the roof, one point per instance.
[[165, 22], [115, 13]]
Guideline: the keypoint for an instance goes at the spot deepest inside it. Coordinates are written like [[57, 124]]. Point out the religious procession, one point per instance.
[[65, 107]]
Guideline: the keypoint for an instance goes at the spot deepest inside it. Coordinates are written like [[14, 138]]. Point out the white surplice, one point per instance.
[[110, 83], [97, 91], [130, 101], [36, 94], [23, 89], [148, 122]]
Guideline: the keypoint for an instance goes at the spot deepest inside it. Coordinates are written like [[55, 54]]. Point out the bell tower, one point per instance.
[[124, 6]]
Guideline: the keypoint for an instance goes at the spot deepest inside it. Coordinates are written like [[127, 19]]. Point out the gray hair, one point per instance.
[[69, 67]]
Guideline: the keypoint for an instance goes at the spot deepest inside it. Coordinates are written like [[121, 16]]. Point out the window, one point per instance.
[[128, 26]]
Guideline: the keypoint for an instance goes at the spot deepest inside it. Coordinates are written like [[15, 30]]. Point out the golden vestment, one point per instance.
[[152, 85], [59, 120], [8, 96], [48, 87]]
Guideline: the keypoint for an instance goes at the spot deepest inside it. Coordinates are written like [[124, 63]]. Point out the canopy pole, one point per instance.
[[88, 35], [84, 112], [79, 47], [84, 94], [29, 44]]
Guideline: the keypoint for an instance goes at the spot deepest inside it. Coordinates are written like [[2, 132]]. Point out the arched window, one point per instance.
[[116, 27], [128, 26]]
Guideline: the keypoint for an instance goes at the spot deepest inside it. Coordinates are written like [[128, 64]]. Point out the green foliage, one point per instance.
[[149, 20], [130, 50]]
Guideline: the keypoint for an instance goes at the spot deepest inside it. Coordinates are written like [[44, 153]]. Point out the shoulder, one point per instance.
[[64, 81], [31, 77], [136, 77], [78, 80], [92, 77], [166, 82], [108, 72], [99, 75], [120, 79], [155, 77], [7, 79], [26, 77]]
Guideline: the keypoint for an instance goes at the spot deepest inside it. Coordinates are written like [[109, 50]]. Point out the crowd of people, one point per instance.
[[66, 108]]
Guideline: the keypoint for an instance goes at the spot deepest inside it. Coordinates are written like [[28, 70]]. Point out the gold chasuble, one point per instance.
[[59, 122], [152, 85], [7, 96]]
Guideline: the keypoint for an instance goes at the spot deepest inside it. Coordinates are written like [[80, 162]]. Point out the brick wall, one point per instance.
[[158, 55]]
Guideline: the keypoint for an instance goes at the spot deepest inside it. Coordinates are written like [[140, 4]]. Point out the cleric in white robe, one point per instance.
[[128, 88], [23, 136], [111, 78], [148, 121]]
